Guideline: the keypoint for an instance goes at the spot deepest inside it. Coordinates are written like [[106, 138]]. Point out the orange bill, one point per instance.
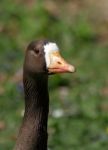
[[58, 64]]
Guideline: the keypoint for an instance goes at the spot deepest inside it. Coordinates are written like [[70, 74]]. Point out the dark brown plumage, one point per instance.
[[33, 132]]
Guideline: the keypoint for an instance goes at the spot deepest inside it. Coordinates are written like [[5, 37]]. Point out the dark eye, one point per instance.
[[36, 51]]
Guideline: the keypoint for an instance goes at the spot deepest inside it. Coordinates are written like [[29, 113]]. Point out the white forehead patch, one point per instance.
[[48, 49], [51, 47]]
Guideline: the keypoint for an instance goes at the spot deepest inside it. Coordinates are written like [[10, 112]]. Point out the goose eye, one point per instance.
[[36, 51]]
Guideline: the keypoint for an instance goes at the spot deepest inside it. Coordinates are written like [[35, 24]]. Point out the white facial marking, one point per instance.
[[48, 49]]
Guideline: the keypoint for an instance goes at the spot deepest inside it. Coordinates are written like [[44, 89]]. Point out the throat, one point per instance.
[[33, 132]]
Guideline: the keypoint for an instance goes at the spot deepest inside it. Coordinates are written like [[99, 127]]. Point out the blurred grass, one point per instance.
[[78, 108]]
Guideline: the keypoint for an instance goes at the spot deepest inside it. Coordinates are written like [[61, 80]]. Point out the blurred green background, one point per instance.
[[78, 118]]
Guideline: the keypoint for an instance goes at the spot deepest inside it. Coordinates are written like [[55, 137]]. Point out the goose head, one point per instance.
[[43, 57]]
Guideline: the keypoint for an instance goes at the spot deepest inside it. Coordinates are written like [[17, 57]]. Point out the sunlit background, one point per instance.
[[78, 118]]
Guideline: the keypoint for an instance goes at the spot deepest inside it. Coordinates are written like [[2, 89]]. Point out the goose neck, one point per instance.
[[33, 132]]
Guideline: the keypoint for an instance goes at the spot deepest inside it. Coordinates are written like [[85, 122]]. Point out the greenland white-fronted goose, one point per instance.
[[42, 59]]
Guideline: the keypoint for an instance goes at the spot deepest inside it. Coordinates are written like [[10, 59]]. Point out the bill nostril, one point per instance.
[[59, 62]]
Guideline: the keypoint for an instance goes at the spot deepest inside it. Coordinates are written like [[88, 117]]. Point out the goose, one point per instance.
[[42, 58]]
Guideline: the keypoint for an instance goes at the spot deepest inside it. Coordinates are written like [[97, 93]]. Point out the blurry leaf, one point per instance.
[[2, 125]]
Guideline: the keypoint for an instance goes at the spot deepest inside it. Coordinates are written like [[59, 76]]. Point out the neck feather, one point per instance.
[[33, 132]]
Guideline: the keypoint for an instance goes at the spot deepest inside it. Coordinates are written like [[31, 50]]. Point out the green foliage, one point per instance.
[[81, 97]]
